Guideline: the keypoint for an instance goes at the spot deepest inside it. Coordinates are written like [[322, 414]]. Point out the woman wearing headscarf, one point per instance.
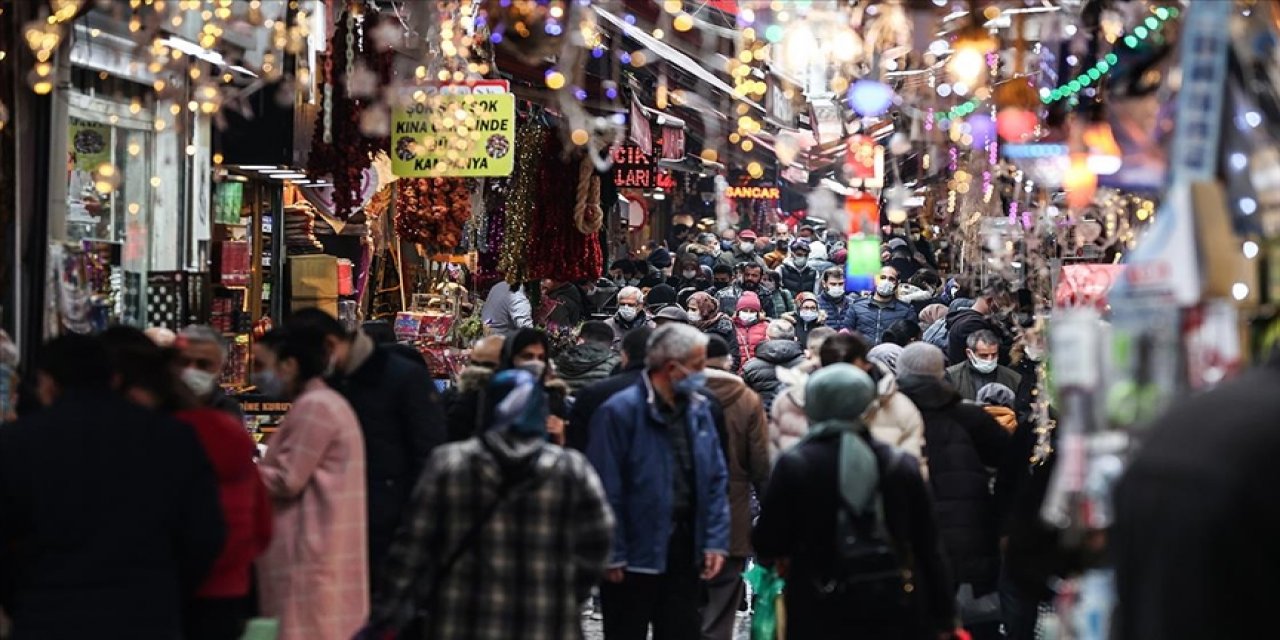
[[506, 534], [705, 315], [933, 319], [314, 577], [853, 521]]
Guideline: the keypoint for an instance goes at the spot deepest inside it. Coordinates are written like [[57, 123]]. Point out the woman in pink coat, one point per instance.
[[751, 326], [314, 576]]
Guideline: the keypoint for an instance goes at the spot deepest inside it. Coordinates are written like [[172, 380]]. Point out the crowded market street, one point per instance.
[[639, 319]]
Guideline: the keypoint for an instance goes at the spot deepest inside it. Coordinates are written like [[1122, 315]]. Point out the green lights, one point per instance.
[[959, 111], [1147, 28]]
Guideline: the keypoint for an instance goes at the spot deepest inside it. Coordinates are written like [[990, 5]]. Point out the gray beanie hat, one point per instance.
[[996, 394], [922, 359]]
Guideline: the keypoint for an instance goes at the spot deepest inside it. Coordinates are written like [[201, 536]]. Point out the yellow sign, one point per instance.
[[753, 193], [464, 136]]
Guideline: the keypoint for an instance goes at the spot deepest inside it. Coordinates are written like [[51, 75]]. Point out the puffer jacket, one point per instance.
[[797, 279], [585, 364], [870, 317], [803, 328], [893, 419], [747, 452], [723, 327], [936, 334], [961, 443], [837, 310], [749, 337], [760, 372]]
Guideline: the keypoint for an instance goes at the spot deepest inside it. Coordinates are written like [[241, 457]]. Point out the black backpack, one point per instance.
[[869, 582]]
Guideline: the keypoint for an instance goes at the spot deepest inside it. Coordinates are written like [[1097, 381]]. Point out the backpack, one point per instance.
[[869, 585]]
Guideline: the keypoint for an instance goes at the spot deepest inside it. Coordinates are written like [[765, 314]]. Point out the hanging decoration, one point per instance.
[[531, 31], [432, 211], [588, 217], [530, 139], [344, 144]]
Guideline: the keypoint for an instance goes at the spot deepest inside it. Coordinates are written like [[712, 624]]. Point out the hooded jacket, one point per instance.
[[892, 419], [961, 443], [760, 372], [585, 364], [749, 337], [746, 452], [961, 323], [723, 326]]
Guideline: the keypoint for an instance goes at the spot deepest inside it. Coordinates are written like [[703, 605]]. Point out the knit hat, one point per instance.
[[995, 393], [839, 256], [922, 359], [805, 296], [838, 392], [886, 354], [673, 314], [660, 295], [660, 258], [897, 243], [800, 244], [749, 301], [716, 346]]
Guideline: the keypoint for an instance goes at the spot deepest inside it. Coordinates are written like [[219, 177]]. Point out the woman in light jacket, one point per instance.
[[314, 576]]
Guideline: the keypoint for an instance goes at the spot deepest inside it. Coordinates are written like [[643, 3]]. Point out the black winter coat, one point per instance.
[[1197, 520], [797, 280], [110, 519], [403, 420], [723, 327], [761, 372], [585, 364], [961, 443], [798, 521], [588, 400]]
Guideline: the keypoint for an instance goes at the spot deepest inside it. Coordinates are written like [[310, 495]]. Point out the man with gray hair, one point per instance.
[[658, 453], [982, 366], [203, 352], [630, 315], [779, 350]]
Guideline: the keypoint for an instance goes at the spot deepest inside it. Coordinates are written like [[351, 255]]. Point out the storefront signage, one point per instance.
[[753, 192], [634, 169], [426, 138], [864, 162], [90, 144]]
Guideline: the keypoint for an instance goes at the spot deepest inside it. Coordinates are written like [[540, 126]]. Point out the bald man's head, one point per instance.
[[487, 352]]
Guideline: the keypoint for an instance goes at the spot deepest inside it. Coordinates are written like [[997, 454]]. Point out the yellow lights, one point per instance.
[[579, 137], [217, 158], [748, 145], [1079, 181], [555, 80], [709, 155], [968, 63], [639, 59], [755, 170], [42, 86], [134, 148], [134, 208], [155, 182], [191, 150], [659, 34], [735, 138], [1104, 152], [683, 22], [673, 6]]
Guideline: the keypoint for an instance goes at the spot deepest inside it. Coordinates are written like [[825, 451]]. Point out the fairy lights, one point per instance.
[[1149, 27]]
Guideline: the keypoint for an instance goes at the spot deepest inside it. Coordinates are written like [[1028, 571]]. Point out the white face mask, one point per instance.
[[800, 261], [748, 317], [627, 313], [536, 367], [886, 288], [1034, 353], [200, 382], [835, 291], [689, 274], [746, 247], [808, 315], [982, 366]]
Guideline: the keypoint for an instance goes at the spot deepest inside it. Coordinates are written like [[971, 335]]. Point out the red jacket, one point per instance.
[[245, 506], [749, 337]]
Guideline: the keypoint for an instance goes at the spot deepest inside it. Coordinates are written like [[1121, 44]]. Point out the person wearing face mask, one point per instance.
[[203, 352], [316, 586], [743, 251], [807, 316], [689, 274], [705, 250], [776, 299], [462, 399], [630, 314], [872, 315], [496, 520], [400, 412], [833, 300], [797, 274], [529, 349], [750, 326], [672, 517], [705, 315], [982, 366]]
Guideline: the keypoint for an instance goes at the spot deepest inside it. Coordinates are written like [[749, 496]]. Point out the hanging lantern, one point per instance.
[[968, 63], [870, 98], [1104, 152], [1079, 181]]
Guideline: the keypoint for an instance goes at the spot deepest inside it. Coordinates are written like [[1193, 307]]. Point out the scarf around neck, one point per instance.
[[858, 470]]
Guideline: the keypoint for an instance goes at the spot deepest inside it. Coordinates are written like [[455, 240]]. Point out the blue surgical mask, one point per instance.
[[692, 382], [268, 383]]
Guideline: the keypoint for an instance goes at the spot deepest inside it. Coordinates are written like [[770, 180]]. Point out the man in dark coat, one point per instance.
[[589, 361], [797, 274], [961, 322], [400, 414], [961, 442], [110, 511], [1196, 517], [780, 350], [589, 399]]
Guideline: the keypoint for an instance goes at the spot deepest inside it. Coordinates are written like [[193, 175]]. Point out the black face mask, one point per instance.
[[722, 283]]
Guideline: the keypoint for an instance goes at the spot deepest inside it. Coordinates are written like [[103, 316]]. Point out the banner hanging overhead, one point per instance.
[[468, 135]]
